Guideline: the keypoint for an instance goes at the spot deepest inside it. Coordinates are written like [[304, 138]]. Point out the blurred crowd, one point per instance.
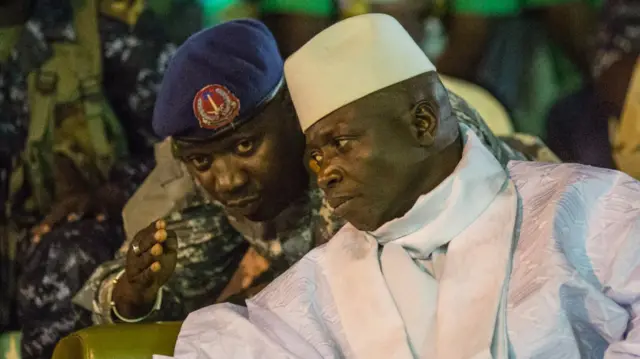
[[78, 84]]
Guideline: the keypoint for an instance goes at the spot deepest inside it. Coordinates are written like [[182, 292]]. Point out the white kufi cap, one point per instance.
[[348, 61]]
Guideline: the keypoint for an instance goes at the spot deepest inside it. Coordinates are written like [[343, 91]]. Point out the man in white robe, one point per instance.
[[446, 255]]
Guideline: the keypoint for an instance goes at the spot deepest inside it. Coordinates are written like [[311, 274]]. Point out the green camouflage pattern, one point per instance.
[[210, 249]]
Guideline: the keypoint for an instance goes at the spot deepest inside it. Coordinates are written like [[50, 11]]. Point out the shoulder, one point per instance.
[[598, 181], [578, 203], [588, 216], [478, 103]]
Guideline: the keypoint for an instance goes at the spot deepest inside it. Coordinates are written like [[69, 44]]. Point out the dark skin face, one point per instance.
[[376, 156], [255, 171]]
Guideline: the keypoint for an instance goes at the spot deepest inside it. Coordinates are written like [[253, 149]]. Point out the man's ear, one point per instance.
[[425, 123]]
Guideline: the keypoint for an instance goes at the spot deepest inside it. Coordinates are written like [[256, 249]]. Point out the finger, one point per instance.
[[145, 240], [167, 263], [145, 260], [161, 224], [148, 276], [74, 216], [41, 229], [80, 207], [156, 250], [100, 212], [160, 235], [171, 243], [58, 212]]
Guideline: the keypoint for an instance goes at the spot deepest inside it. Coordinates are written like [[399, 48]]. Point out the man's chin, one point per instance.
[[257, 214], [364, 226], [361, 224]]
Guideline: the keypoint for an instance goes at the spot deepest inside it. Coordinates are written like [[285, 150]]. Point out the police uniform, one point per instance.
[[132, 55]]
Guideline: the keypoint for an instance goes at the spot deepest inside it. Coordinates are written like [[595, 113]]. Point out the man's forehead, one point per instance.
[[347, 119], [224, 140]]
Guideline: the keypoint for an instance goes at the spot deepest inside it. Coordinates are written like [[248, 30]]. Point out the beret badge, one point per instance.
[[215, 106]]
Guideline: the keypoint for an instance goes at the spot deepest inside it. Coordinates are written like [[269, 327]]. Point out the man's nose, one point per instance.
[[329, 178], [229, 176]]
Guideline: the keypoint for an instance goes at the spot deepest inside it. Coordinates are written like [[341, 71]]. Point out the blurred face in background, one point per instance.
[[410, 13]]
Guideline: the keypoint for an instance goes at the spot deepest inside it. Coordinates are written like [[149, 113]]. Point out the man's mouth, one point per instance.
[[339, 201], [242, 203]]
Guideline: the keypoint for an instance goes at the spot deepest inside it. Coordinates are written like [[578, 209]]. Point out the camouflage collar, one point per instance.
[[291, 218]]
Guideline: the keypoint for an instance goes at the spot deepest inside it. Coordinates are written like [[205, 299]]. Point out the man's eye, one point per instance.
[[244, 147], [315, 162], [317, 158], [342, 142], [314, 166], [200, 162]]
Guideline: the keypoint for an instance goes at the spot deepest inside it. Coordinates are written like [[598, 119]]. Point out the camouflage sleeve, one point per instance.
[[517, 147], [532, 147], [209, 252], [134, 62]]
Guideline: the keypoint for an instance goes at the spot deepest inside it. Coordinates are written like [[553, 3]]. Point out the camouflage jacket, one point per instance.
[[211, 245], [210, 248]]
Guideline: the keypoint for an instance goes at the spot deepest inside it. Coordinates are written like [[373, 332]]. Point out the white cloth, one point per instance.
[[573, 291], [348, 61], [477, 192]]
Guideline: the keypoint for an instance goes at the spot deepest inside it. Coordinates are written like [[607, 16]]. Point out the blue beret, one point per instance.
[[217, 80]]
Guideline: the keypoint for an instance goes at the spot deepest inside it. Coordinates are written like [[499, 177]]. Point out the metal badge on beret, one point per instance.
[[215, 106]]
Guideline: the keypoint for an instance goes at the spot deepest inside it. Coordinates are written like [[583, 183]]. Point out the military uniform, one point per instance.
[[210, 247], [128, 58], [211, 243]]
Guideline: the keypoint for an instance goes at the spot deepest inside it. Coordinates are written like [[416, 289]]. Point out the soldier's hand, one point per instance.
[[150, 262], [71, 208]]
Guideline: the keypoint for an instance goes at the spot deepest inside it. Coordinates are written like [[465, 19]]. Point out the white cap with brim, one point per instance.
[[348, 61]]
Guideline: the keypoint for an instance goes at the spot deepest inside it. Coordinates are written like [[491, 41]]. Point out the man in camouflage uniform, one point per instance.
[[216, 252], [127, 56]]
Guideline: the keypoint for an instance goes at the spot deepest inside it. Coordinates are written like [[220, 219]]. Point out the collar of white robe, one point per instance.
[[451, 206], [409, 313]]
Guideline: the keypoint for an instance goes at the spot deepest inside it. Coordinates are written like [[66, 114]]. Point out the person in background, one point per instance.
[[617, 80], [292, 22], [570, 24], [528, 54], [592, 126], [545, 254], [413, 16], [77, 88], [502, 46]]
